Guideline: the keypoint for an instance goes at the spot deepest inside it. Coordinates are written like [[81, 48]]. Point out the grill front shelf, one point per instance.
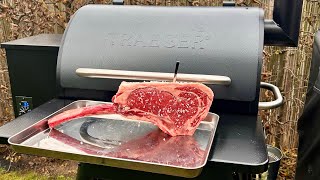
[[238, 146]]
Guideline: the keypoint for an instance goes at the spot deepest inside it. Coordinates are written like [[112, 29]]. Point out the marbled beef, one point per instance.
[[176, 108]]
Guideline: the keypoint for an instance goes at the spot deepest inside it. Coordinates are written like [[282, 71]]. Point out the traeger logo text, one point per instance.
[[197, 41]]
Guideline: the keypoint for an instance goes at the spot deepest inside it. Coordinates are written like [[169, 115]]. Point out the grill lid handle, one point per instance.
[[277, 94], [156, 76]]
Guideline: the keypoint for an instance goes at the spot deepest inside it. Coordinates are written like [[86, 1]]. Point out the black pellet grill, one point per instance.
[[105, 45]]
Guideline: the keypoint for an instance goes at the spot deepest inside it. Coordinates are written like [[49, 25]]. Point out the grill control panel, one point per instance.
[[24, 104]]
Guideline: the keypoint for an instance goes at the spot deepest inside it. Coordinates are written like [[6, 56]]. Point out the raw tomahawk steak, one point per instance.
[[176, 108]]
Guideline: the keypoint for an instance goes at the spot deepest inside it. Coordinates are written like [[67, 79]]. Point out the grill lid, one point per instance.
[[211, 41]]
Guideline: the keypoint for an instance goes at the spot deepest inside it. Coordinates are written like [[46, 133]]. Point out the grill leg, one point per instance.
[[84, 172], [96, 172]]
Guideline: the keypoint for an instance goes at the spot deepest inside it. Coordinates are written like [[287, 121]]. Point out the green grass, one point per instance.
[[16, 175]]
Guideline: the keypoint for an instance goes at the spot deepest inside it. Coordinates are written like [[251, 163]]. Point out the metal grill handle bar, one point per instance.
[[150, 76], [277, 94]]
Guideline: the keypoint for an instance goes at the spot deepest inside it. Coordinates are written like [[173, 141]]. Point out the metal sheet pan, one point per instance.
[[112, 140]]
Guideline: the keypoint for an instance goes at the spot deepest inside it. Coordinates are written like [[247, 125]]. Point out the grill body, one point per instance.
[[213, 41], [210, 41]]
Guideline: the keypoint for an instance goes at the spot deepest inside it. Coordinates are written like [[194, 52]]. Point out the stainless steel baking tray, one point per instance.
[[112, 140]]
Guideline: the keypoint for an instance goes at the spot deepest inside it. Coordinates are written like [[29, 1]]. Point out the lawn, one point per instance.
[[20, 166]]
